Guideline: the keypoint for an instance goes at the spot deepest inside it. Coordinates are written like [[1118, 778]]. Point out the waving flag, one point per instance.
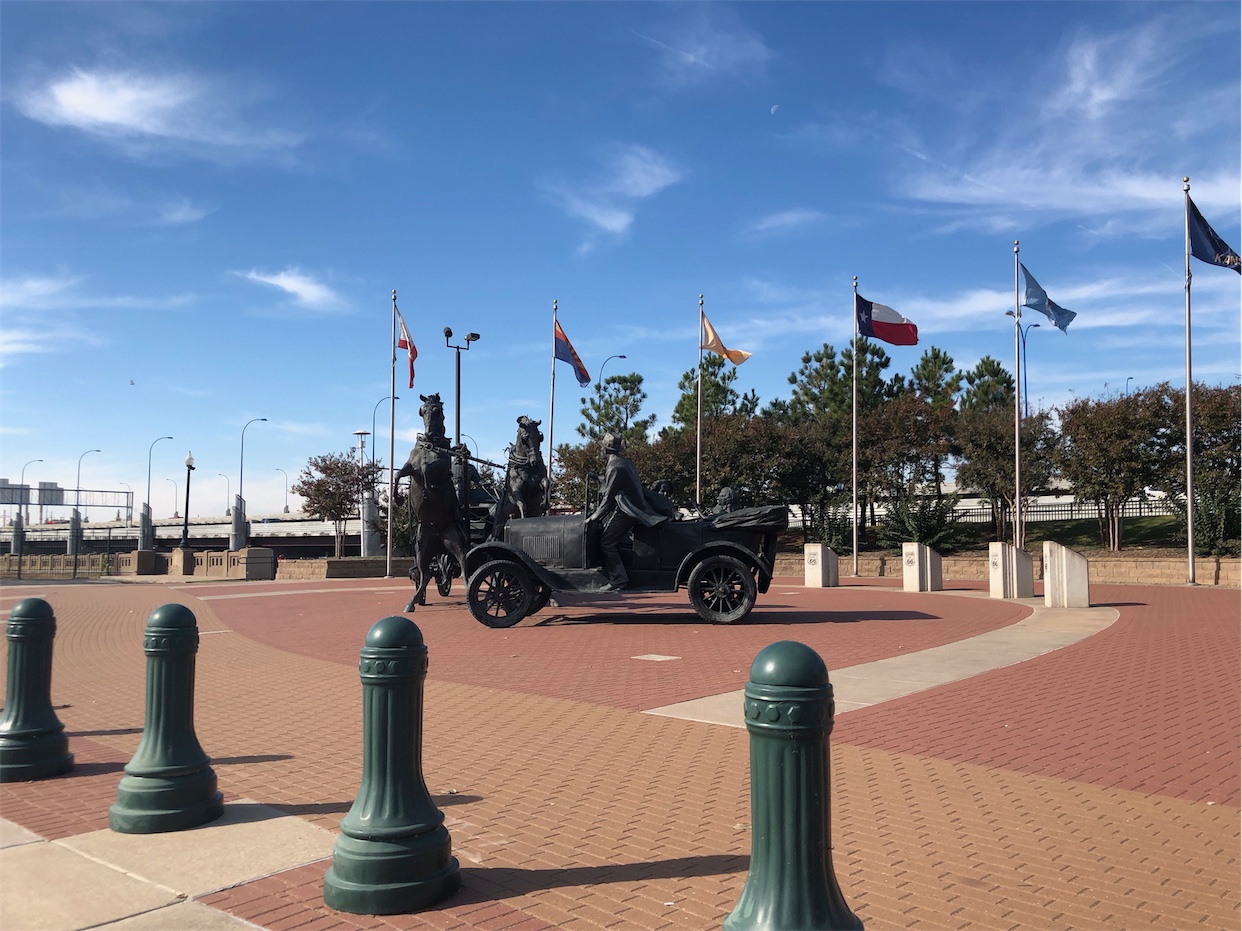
[[878, 321], [1205, 245], [405, 342], [1036, 298], [564, 351], [711, 341]]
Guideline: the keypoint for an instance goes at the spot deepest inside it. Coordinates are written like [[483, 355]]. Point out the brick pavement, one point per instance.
[[1110, 802]]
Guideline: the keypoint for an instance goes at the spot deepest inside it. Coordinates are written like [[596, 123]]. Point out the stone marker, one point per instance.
[[1066, 577], [169, 784], [920, 568], [1010, 572], [33, 744], [393, 854], [820, 566], [788, 710]]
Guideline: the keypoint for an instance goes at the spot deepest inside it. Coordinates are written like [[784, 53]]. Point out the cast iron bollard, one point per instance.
[[791, 885], [169, 785], [393, 854], [33, 744]]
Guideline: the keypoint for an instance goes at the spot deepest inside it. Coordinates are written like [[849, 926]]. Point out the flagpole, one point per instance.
[[854, 421], [698, 421], [1017, 407], [547, 493], [1190, 428], [392, 407]]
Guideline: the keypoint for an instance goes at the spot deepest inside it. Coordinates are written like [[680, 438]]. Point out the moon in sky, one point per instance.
[[775, 107]]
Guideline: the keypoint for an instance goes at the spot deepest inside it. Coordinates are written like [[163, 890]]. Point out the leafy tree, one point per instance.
[[331, 487], [988, 385], [719, 396], [984, 456], [614, 407]]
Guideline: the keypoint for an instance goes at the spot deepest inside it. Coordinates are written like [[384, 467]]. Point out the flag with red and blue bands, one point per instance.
[[564, 350]]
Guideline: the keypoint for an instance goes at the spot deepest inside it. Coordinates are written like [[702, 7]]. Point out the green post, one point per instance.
[[791, 885], [33, 744], [169, 784], [393, 854]]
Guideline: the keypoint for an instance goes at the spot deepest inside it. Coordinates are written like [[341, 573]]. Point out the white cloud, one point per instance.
[[304, 289], [786, 221], [181, 212], [153, 111], [28, 292], [608, 203], [709, 45]]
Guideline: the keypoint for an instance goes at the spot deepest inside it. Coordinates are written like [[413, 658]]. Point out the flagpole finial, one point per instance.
[[553, 305], [1015, 247], [394, 294], [1185, 184]]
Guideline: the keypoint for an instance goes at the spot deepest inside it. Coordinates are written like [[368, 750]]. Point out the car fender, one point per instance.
[[495, 549], [763, 574]]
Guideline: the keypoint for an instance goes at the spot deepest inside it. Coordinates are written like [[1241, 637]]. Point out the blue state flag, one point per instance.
[[1037, 298], [1205, 245]]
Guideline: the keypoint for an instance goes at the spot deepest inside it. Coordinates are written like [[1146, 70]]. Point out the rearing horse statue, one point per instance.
[[526, 485], [432, 497]]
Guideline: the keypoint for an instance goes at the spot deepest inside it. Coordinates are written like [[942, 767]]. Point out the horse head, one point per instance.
[[529, 431], [432, 412]]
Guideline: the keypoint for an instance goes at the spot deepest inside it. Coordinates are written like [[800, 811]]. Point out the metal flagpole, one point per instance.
[[1190, 427], [547, 493], [854, 420], [698, 421], [1017, 406], [392, 407]]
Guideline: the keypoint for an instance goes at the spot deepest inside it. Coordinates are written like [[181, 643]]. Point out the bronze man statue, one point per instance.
[[623, 497]]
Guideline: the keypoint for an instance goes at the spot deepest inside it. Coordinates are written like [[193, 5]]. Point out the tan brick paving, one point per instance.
[[572, 813]]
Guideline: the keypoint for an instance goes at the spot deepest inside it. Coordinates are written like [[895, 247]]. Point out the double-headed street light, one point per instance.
[[470, 338], [185, 525]]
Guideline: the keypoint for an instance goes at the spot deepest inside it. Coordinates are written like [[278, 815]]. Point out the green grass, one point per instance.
[[1162, 531]]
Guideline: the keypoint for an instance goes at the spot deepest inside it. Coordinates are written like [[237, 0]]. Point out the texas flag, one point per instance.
[[877, 321], [564, 350], [406, 342]]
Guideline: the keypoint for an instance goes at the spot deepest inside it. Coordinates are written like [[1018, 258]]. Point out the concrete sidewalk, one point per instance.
[[574, 813]]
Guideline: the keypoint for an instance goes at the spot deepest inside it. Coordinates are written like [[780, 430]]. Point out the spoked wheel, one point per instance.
[[722, 589], [445, 567], [542, 596], [500, 593]]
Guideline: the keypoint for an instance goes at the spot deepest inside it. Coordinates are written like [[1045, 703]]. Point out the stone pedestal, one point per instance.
[[181, 562], [75, 534], [1066, 579], [1010, 572], [920, 568], [819, 566]]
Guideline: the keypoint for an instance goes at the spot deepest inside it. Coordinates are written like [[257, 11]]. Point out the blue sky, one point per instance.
[[205, 209]]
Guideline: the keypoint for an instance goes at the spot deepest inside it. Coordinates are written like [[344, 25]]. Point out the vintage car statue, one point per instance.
[[724, 560]]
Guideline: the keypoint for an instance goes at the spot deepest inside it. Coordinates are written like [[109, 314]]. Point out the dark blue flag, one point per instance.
[[1205, 245]]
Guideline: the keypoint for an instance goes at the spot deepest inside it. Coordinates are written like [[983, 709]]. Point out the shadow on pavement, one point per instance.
[[484, 884]]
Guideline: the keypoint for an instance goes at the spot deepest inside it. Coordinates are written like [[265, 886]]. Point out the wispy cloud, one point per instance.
[[786, 221], [146, 112], [181, 212], [303, 288], [709, 44], [608, 202]]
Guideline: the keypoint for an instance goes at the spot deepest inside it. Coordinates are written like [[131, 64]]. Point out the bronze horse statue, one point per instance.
[[526, 484], [433, 499]]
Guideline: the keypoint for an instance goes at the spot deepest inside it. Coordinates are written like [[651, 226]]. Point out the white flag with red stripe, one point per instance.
[[406, 342]]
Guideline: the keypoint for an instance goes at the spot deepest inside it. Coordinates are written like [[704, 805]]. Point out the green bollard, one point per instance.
[[393, 854], [791, 885], [33, 744], [169, 784]]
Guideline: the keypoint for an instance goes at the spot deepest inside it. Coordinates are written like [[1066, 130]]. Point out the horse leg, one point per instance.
[[423, 549]]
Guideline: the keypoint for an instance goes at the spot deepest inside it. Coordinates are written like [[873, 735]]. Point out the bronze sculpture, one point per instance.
[[624, 501], [526, 482], [433, 499]]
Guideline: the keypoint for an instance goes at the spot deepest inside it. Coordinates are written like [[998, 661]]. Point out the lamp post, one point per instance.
[[600, 381], [77, 482], [185, 523], [129, 505], [362, 514], [1026, 394], [374, 411], [176, 493], [286, 475], [470, 338], [241, 464], [1129, 378], [149, 451], [22, 482], [474, 441], [228, 498]]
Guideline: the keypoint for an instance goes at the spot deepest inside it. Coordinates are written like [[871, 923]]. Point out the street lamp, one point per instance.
[[129, 505], [470, 338], [286, 475], [22, 482], [1129, 378], [149, 451], [228, 498], [362, 514], [176, 491], [374, 411], [600, 381], [241, 465], [1026, 395], [474, 441], [185, 524], [77, 483]]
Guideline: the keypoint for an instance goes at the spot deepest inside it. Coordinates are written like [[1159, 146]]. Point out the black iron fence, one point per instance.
[[1069, 510]]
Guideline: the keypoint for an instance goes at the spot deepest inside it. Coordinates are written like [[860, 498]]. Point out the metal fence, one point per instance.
[[58, 566], [1070, 510]]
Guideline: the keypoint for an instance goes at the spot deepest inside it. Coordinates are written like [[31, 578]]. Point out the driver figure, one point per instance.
[[621, 496]]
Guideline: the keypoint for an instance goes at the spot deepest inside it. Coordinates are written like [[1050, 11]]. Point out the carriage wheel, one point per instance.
[[444, 567], [500, 593], [542, 596], [722, 589]]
